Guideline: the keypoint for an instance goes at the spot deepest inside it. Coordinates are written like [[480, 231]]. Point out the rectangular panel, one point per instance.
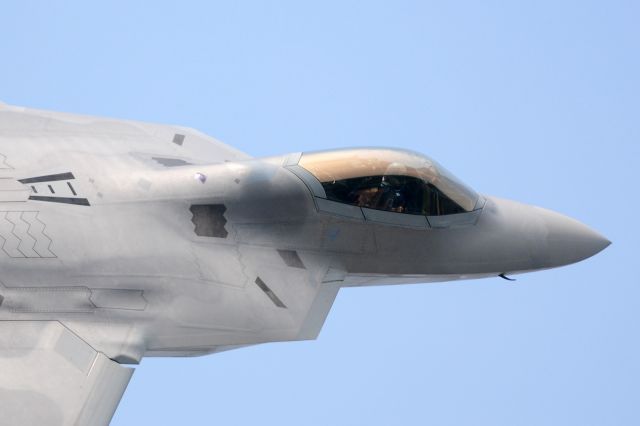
[[108, 298]]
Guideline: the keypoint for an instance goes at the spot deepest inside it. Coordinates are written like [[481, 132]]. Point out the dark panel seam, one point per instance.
[[48, 178], [64, 200]]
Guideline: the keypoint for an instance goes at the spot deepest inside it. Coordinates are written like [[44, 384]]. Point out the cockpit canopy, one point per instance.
[[389, 179]]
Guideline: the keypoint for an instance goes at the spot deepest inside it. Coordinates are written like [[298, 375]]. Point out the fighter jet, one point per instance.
[[122, 240]]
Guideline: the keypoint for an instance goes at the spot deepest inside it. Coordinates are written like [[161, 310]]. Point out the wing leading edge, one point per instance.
[[123, 136], [52, 377]]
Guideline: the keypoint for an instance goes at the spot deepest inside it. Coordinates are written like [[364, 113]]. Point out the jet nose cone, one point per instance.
[[570, 241], [520, 237]]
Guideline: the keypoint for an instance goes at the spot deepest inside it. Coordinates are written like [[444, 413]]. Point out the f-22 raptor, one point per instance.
[[122, 240]]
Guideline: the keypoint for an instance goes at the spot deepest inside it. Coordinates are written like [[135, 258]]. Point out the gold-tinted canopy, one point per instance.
[[337, 165]]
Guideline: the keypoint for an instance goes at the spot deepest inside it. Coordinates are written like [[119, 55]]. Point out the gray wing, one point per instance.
[[64, 131], [49, 376], [260, 294]]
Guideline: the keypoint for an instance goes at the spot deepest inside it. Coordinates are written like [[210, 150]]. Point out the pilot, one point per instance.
[[390, 194], [393, 189], [367, 197]]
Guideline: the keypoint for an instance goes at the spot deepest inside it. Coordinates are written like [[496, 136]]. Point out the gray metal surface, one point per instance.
[[123, 239], [52, 377]]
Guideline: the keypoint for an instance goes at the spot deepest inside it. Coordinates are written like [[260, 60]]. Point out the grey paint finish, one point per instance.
[[69, 299], [12, 191], [219, 252], [75, 385], [23, 235], [339, 209], [408, 220]]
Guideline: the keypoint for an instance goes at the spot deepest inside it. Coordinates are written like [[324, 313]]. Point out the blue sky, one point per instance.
[[535, 100]]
